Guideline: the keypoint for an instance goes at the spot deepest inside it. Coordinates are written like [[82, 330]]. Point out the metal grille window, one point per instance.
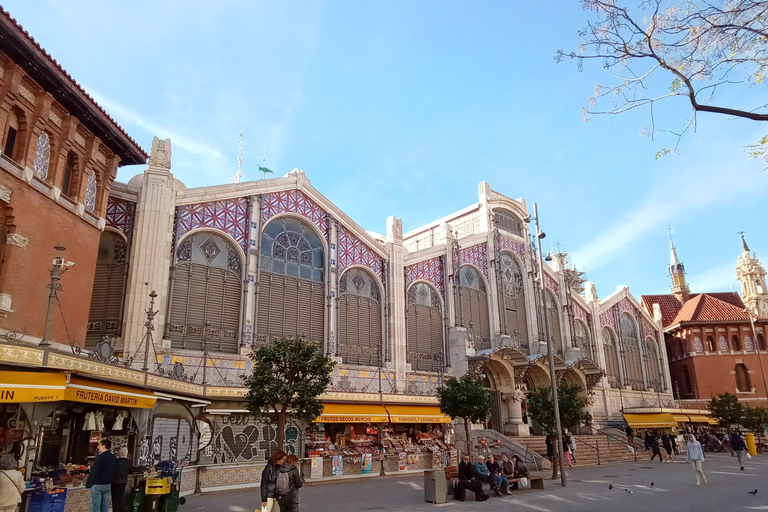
[[553, 317], [207, 287], [582, 338], [291, 299], [633, 366], [108, 295], [508, 221], [359, 318], [743, 379], [473, 304], [424, 327], [611, 358], [513, 296], [654, 365]]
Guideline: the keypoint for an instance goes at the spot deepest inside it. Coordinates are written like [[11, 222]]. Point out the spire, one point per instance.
[[744, 246], [673, 259], [677, 272]]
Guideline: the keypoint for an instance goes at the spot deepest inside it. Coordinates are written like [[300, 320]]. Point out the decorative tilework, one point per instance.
[[120, 215], [476, 255], [54, 117], [79, 139], [214, 477], [229, 216], [26, 94], [42, 156], [608, 319], [295, 201], [550, 283], [580, 312], [354, 252], [648, 329], [429, 270], [512, 245], [90, 193]]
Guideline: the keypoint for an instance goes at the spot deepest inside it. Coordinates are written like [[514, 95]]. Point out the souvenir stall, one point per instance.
[[421, 436]]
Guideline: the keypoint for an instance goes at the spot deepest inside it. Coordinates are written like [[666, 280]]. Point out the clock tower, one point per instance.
[[752, 277]]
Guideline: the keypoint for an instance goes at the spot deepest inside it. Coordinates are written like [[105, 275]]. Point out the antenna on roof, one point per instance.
[[671, 231], [239, 174]]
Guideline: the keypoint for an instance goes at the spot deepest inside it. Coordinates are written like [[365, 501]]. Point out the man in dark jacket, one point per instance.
[[468, 480], [520, 470], [499, 482], [269, 479], [739, 447], [123, 468], [101, 476], [290, 502]]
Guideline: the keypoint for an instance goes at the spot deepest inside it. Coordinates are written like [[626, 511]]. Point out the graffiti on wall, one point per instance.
[[241, 438], [171, 439]]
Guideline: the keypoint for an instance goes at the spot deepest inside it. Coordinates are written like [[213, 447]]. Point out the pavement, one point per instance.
[[587, 490]]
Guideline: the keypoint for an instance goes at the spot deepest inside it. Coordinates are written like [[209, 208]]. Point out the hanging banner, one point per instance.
[[367, 463], [316, 470], [338, 465]]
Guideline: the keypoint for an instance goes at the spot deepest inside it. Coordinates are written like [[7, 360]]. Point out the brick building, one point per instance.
[[716, 341], [60, 154]]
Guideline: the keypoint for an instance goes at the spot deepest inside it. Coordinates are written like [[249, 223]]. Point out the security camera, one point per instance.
[[69, 264], [58, 262]]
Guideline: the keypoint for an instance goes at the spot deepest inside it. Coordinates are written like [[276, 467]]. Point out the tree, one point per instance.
[[289, 375], [707, 53], [727, 409], [465, 398], [755, 419], [572, 406]]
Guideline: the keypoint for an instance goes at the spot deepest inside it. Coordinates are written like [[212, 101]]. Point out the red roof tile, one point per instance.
[[707, 308], [670, 306]]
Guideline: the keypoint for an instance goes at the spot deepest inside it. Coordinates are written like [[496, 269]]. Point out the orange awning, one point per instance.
[[18, 387], [105, 393], [703, 418], [416, 414], [353, 413], [653, 420]]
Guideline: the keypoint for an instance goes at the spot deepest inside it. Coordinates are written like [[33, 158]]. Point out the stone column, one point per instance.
[[333, 288], [151, 250], [252, 259], [514, 425], [397, 298]]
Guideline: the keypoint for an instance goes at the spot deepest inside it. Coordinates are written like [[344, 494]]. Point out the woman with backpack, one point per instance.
[[287, 486], [269, 480]]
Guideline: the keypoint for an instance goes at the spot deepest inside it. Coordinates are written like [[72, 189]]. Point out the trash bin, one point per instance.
[[435, 486], [751, 447]]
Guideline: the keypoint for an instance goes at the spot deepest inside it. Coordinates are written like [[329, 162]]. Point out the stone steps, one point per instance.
[[586, 449]]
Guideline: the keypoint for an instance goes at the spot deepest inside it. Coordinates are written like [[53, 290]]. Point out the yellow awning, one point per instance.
[[353, 413], [96, 392], [681, 418], [654, 420], [18, 387], [703, 418], [416, 414]]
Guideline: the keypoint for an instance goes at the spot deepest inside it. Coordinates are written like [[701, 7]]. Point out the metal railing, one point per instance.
[[609, 436], [595, 446]]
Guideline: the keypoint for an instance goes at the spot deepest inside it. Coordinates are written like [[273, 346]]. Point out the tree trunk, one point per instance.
[[280, 430], [469, 441], [555, 460]]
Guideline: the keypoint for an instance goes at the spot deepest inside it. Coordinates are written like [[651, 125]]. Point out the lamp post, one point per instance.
[[57, 270], [757, 348], [550, 356]]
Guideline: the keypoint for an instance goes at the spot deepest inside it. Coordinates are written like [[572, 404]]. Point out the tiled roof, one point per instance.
[[670, 306], [6, 18], [708, 308]]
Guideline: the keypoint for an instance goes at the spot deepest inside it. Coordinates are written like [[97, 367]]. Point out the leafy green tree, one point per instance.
[[465, 398], [727, 409], [289, 375], [755, 419], [572, 406]]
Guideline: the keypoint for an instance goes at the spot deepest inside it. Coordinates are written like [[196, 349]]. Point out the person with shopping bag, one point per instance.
[[268, 481], [11, 484]]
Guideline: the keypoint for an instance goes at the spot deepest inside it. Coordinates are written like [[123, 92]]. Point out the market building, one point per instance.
[[716, 341]]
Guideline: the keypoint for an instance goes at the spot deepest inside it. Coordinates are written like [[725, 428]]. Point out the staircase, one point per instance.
[[611, 450], [511, 446]]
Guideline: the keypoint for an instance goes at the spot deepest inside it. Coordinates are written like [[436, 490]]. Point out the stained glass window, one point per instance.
[[90, 193], [42, 156]]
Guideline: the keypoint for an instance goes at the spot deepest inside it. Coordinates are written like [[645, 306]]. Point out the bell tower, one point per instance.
[[752, 277], [677, 273]]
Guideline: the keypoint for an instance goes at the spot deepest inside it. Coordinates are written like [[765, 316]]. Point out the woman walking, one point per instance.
[[290, 502], [695, 456], [567, 451], [268, 481], [666, 441], [11, 484], [572, 446]]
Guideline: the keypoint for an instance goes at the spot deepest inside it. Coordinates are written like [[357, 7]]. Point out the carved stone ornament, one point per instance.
[[160, 156], [395, 229], [5, 193], [17, 240]]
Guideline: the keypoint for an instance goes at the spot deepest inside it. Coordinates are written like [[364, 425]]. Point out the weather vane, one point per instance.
[[264, 169]]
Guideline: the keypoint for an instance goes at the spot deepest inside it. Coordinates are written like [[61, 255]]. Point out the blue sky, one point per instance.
[[402, 108]]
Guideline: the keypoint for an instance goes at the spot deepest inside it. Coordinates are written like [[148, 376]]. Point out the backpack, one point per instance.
[[283, 484]]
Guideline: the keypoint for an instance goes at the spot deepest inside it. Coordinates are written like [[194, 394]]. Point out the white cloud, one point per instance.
[[721, 278]]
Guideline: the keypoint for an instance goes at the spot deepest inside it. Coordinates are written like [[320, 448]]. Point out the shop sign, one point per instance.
[[338, 465], [20, 387], [316, 470], [328, 418], [99, 393]]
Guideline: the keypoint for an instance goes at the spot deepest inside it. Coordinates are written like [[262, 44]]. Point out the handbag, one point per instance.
[[524, 482], [13, 484], [749, 456]]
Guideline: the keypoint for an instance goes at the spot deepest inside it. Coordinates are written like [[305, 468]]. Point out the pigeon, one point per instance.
[[752, 492], [610, 486], [628, 491], [651, 484]]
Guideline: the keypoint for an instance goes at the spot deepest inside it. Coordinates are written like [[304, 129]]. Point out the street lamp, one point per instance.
[[757, 347], [57, 270]]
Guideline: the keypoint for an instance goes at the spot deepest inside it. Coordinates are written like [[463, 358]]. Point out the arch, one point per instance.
[[423, 327], [611, 354], [536, 378], [633, 365], [472, 302], [207, 286], [69, 177], [736, 342], [743, 378], [108, 296], [42, 156], [710, 347], [574, 377], [749, 346], [360, 323], [15, 132], [512, 290], [722, 344], [508, 221], [291, 296], [582, 337], [654, 365], [553, 317], [761, 342]]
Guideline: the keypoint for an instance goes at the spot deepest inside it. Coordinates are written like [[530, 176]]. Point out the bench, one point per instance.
[[534, 481]]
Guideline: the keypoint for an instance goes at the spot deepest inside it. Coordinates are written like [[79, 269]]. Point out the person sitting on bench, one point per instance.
[[468, 480], [499, 482], [520, 470]]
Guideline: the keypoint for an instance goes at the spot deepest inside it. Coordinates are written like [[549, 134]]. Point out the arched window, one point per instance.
[[711, 344], [108, 295], [513, 297], [207, 286], [473, 303], [68, 187], [553, 317], [291, 288], [761, 342], [12, 135], [743, 379], [748, 345], [611, 358], [42, 156], [632, 362], [359, 318], [736, 342], [424, 327], [723, 344], [582, 338], [654, 365], [3, 231], [508, 221]]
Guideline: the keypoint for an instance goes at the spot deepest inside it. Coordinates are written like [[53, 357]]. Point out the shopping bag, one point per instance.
[[524, 482], [263, 508], [748, 455]]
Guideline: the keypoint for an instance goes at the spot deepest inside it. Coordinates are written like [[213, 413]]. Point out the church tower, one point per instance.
[[752, 277], [677, 272]]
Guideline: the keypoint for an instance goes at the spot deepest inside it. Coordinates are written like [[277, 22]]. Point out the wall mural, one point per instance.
[[242, 438], [171, 439]]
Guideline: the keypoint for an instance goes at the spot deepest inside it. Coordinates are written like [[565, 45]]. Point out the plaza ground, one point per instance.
[[587, 490]]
